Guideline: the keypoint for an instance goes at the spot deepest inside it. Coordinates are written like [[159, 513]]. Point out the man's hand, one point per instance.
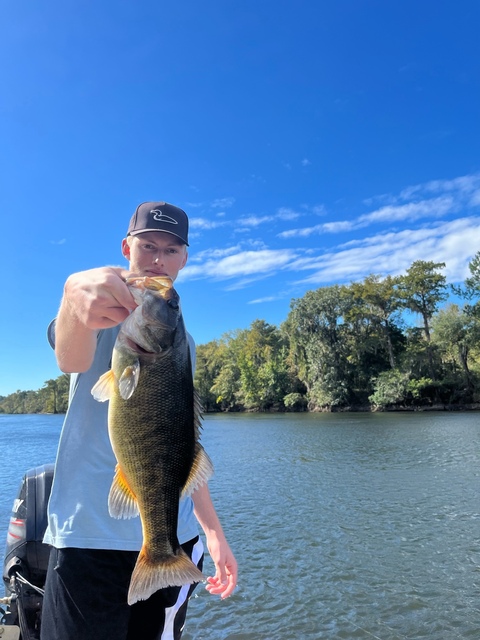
[[224, 581], [99, 298], [92, 300]]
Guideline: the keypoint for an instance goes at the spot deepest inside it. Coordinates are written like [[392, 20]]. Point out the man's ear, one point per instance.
[[125, 249], [184, 260]]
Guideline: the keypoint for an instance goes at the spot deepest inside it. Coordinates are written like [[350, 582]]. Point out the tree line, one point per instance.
[[51, 398], [351, 346], [384, 342]]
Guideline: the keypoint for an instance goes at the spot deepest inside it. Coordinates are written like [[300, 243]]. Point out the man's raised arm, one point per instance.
[[92, 300]]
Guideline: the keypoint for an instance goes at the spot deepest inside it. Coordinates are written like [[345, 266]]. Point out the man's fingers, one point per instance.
[[224, 588], [114, 316]]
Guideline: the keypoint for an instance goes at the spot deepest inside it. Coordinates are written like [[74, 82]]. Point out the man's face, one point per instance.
[[155, 253]]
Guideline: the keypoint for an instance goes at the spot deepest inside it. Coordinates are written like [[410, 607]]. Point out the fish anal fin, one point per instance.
[[103, 388], [172, 571], [129, 380], [122, 502], [201, 471]]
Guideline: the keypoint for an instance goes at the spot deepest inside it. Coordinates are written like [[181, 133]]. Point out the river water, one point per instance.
[[344, 525]]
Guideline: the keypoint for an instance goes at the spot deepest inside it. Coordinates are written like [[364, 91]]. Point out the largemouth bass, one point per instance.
[[154, 427]]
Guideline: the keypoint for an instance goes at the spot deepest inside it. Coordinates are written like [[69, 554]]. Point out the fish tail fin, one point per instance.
[[173, 571]]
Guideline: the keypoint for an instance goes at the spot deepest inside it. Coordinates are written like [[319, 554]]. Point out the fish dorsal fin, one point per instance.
[[122, 502], [129, 380], [103, 388], [200, 473]]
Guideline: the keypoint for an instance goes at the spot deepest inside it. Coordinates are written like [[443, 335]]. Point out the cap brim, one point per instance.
[[140, 231]]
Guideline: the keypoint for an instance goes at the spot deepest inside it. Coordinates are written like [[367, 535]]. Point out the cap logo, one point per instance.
[[159, 216]]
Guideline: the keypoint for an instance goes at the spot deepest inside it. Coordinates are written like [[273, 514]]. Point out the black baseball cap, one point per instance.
[[159, 216]]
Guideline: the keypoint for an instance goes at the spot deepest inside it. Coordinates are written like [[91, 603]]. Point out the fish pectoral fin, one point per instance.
[[122, 502], [200, 473], [103, 388], [129, 380]]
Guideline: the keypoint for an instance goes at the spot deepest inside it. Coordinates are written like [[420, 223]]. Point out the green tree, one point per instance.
[[210, 359], [51, 401], [264, 374], [390, 389], [422, 289], [452, 332], [54, 393], [316, 331], [470, 291], [226, 386], [376, 299]]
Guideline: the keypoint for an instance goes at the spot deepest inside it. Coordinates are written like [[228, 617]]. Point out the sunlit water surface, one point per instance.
[[344, 525]]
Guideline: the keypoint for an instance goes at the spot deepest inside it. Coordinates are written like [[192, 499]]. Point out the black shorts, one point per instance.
[[86, 597]]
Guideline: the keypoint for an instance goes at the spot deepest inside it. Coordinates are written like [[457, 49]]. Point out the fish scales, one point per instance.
[[164, 446], [154, 428]]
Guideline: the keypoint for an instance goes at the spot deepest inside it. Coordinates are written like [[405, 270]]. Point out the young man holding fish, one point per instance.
[[94, 554]]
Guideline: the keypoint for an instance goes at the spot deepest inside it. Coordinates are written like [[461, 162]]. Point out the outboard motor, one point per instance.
[[26, 556]]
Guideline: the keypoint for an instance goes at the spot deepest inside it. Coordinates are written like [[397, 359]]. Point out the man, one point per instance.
[[93, 554]]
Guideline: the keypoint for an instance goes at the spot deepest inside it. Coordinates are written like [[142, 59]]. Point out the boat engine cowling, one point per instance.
[[25, 553]]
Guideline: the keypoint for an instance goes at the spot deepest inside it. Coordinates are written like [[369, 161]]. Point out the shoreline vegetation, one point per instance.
[[461, 408], [393, 343]]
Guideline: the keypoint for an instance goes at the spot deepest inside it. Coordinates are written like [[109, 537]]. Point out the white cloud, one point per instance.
[[389, 249], [300, 233], [412, 211], [261, 300], [337, 227], [203, 223], [319, 210], [326, 227], [454, 243], [451, 196], [215, 254], [463, 185], [475, 199], [284, 213], [392, 252], [254, 221], [241, 264], [222, 203]]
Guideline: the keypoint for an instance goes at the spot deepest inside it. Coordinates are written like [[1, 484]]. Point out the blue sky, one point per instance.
[[310, 142]]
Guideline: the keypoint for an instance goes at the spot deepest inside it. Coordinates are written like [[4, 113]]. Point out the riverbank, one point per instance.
[[475, 406]]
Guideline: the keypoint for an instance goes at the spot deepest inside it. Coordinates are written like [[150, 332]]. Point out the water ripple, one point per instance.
[[345, 526]]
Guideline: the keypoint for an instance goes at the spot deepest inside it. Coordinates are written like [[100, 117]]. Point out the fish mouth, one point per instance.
[[162, 284], [134, 346]]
